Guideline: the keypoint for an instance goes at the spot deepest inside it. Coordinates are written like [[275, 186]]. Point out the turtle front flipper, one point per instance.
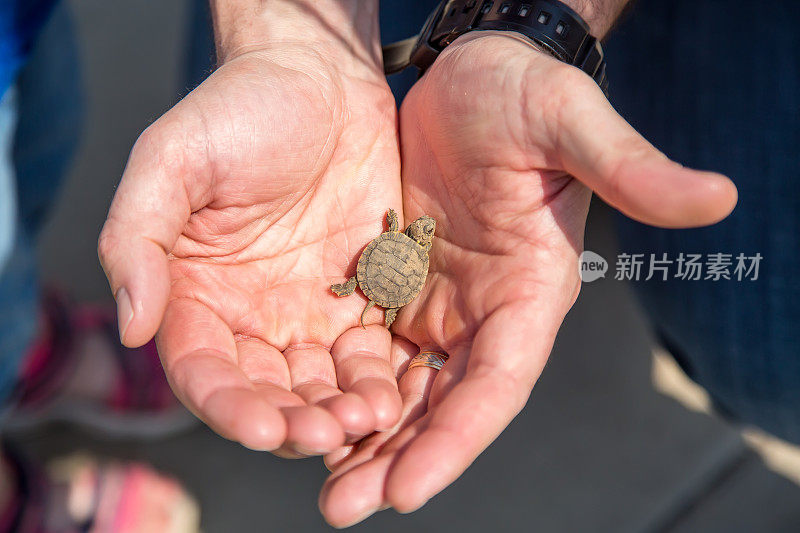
[[345, 289], [391, 218], [391, 314]]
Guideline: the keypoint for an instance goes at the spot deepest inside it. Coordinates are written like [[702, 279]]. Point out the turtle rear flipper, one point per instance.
[[391, 314]]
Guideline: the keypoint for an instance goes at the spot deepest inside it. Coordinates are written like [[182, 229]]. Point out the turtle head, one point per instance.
[[422, 230]]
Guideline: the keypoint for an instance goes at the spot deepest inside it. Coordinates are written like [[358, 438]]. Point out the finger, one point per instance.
[[504, 362], [603, 151], [262, 363], [350, 411], [150, 209], [199, 356], [415, 389], [266, 367], [312, 430], [355, 490], [362, 360], [403, 350], [414, 386], [352, 498], [337, 457], [322, 425]]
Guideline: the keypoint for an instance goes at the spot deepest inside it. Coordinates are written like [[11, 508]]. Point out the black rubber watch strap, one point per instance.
[[549, 23]]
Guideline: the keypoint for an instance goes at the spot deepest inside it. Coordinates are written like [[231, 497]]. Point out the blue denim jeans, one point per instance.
[[40, 121], [716, 85]]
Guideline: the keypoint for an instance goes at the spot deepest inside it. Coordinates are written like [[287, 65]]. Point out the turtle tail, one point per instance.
[[369, 306]]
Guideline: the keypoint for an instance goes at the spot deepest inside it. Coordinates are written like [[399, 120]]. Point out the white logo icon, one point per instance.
[[591, 266]]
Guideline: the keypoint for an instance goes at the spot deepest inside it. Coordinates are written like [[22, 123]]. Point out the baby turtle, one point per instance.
[[393, 267]]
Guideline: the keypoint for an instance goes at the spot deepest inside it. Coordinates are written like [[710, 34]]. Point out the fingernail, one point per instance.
[[311, 452], [124, 312]]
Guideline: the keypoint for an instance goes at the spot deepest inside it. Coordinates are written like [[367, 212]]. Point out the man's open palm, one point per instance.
[[237, 210], [492, 137]]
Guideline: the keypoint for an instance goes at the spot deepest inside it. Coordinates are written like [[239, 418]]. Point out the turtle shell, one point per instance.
[[392, 269]]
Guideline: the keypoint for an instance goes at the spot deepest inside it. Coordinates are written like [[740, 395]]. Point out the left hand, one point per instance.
[[237, 210], [502, 145]]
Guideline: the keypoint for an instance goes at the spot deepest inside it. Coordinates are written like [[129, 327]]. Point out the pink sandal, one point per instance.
[[139, 404], [79, 494]]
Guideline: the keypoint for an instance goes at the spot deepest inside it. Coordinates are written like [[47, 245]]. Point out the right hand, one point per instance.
[[502, 145], [237, 210]]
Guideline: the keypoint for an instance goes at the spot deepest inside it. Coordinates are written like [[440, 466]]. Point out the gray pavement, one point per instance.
[[596, 449]]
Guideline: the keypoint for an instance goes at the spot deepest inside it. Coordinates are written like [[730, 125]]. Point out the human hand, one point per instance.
[[237, 210], [502, 144]]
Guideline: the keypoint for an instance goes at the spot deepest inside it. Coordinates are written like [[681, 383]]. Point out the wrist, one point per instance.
[[598, 14], [551, 24], [346, 28], [497, 36]]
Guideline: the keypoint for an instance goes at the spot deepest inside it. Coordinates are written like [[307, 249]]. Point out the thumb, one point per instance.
[[602, 150], [148, 214]]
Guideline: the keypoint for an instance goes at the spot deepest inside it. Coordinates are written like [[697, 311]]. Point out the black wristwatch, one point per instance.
[[552, 25]]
